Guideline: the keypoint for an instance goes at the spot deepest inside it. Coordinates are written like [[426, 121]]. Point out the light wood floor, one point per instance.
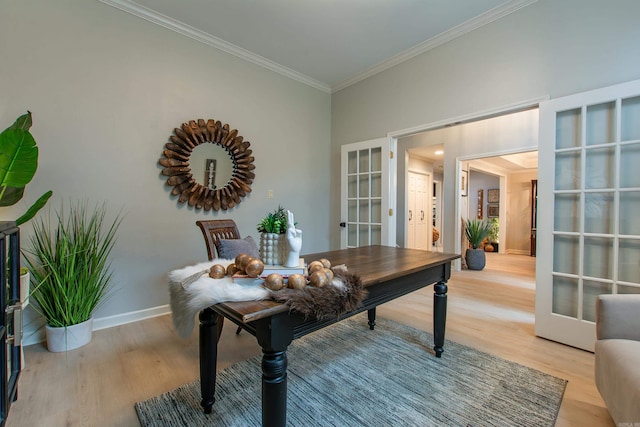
[[491, 310]]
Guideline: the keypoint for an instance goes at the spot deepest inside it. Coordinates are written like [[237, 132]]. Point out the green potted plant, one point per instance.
[[18, 164], [273, 242], [69, 261], [493, 236], [476, 231]]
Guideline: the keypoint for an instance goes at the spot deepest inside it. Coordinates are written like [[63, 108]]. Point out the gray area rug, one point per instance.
[[348, 375]]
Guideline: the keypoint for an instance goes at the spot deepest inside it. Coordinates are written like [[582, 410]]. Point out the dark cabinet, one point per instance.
[[11, 324]]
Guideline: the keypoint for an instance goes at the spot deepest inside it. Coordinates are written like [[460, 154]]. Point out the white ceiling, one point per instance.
[[510, 163], [328, 44]]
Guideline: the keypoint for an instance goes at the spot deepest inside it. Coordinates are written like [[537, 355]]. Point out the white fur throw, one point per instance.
[[192, 290]]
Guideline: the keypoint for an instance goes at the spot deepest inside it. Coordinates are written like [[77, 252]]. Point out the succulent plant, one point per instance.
[[274, 222]]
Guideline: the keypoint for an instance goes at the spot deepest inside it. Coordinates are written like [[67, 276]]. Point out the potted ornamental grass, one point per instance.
[[69, 262], [476, 231]]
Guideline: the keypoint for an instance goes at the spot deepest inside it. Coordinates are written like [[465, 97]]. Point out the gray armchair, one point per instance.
[[617, 351]]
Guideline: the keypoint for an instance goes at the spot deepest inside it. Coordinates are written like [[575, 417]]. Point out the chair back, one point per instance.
[[214, 230]]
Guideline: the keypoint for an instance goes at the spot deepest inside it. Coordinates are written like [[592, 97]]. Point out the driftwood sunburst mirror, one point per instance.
[[208, 165]]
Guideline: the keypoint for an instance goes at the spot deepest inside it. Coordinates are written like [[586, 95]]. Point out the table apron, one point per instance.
[[379, 293]]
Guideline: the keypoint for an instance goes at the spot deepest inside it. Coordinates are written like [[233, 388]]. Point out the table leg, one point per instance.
[[439, 316], [208, 357], [274, 388], [371, 314], [274, 335]]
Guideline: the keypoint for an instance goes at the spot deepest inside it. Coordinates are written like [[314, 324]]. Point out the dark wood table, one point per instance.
[[386, 272]]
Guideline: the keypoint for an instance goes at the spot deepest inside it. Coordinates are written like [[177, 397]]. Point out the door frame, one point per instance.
[[467, 118]]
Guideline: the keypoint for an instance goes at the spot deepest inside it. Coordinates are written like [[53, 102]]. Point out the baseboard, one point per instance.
[[38, 336]]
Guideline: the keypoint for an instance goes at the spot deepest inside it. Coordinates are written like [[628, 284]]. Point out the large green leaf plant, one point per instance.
[[18, 164]]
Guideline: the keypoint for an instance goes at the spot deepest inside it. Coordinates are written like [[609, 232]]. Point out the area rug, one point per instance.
[[348, 375]]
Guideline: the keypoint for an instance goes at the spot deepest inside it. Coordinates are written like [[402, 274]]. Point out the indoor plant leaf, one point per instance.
[[18, 164], [11, 196], [18, 158], [33, 210], [23, 122]]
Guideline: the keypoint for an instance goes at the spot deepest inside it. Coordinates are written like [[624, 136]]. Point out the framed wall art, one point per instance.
[[493, 195], [493, 211]]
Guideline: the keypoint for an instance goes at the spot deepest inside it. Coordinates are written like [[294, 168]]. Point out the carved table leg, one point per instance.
[[208, 357], [371, 314], [274, 335], [274, 388], [439, 316]]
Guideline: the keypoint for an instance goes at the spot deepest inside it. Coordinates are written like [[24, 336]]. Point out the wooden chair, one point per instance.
[[213, 231], [216, 229]]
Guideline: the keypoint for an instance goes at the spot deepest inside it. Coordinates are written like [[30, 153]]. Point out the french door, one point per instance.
[[588, 232], [367, 193]]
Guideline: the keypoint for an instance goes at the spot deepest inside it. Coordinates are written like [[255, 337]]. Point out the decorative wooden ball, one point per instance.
[[325, 262], [296, 281], [217, 271], [241, 261], [329, 273], [314, 265], [232, 269], [318, 279], [274, 281], [254, 267]]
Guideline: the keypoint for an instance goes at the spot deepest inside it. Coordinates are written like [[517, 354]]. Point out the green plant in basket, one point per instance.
[[69, 263]]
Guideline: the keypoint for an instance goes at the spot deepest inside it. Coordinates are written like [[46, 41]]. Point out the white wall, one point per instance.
[[549, 48], [106, 90]]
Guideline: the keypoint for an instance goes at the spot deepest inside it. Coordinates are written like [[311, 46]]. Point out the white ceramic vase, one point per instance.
[[70, 337], [273, 248]]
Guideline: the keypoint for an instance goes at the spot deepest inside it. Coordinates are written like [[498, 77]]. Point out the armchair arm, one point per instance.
[[618, 316]]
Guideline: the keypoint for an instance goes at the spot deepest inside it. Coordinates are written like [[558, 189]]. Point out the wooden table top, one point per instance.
[[374, 264]]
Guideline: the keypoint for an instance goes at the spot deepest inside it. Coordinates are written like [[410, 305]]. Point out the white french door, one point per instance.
[[367, 202], [588, 233]]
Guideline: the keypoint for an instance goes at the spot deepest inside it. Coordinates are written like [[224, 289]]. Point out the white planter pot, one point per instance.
[[70, 337], [273, 248]]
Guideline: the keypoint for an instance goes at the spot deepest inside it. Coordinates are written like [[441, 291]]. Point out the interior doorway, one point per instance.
[[487, 138], [505, 182]]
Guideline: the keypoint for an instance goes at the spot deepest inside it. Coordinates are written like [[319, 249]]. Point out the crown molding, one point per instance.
[[442, 38], [206, 38]]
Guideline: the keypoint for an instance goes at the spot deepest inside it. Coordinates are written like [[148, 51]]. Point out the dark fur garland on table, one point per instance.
[[343, 295]]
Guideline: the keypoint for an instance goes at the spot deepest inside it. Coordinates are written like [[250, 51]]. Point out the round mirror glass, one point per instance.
[[211, 165]]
